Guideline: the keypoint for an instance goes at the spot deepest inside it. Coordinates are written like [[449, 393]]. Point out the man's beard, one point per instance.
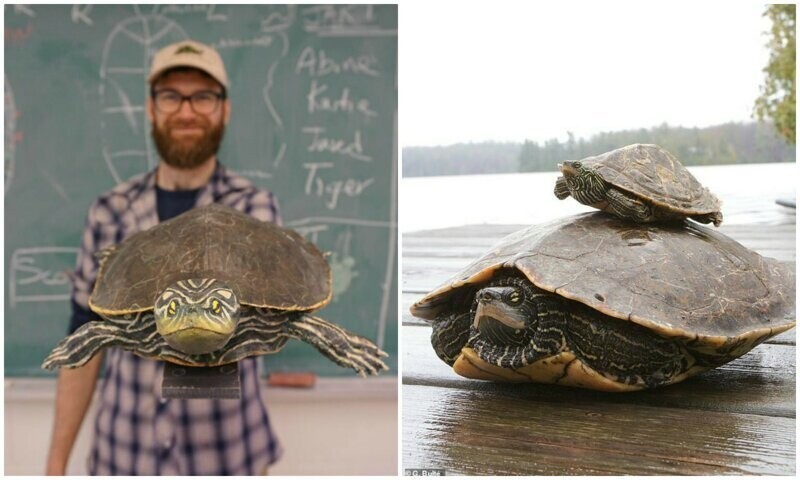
[[187, 153]]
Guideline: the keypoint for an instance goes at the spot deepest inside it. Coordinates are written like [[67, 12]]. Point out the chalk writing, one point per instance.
[[80, 13], [316, 63], [263, 41], [209, 10], [321, 144], [337, 16], [39, 274], [331, 190], [318, 102]]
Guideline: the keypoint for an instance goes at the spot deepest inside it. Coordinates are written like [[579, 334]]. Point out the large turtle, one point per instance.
[[211, 287], [597, 302], [643, 183]]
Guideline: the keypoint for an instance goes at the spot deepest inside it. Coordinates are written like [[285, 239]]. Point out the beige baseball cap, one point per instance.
[[188, 53]]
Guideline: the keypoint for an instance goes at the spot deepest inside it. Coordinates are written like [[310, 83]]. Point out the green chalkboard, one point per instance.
[[314, 119]]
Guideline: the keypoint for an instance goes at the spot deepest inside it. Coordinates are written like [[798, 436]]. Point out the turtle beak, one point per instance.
[[567, 169]]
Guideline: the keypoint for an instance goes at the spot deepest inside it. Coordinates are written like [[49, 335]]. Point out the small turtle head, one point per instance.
[[197, 316], [584, 184]]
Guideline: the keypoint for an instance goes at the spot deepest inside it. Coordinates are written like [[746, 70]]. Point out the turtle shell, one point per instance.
[[656, 175], [683, 281], [266, 265]]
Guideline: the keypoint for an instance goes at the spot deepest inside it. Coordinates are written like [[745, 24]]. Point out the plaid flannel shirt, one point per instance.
[[137, 432]]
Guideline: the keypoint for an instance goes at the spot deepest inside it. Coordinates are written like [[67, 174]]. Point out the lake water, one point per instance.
[[748, 193]]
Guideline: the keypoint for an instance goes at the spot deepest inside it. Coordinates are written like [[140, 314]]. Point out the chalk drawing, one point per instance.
[[80, 13], [24, 10], [279, 20], [280, 155], [53, 182], [10, 130], [267, 99], [343, 272], [311, 232], [40, 274], [342, 263], [126, 57]]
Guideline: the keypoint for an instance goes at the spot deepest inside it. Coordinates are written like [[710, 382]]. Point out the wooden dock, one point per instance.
[[737, 419]]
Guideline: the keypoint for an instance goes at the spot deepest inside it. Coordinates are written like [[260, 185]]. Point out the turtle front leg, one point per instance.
[[628, 206], [77, 349], [339, 345], [561, 190], [450, 334]]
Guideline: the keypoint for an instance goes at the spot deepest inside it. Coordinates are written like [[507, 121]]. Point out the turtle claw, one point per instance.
[[339, 345]]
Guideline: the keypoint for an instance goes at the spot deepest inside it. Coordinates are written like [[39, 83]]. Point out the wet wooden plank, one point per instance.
[[504, 432], [762, 382]]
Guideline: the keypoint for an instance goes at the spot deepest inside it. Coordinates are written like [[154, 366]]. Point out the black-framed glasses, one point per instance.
[[203, 102]]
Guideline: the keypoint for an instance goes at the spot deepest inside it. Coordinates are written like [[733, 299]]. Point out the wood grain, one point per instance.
[[505, 433]]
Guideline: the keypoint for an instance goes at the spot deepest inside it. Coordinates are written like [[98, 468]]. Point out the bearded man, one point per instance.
[[136, 431]]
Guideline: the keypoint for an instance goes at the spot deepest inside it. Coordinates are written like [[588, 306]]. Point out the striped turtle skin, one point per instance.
[[597, 302], [210, 287], [642, 183]]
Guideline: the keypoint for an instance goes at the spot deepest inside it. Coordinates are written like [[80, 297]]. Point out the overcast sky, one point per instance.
[[508, 71]]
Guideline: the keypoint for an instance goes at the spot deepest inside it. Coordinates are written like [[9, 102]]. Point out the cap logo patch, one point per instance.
[[187, 49]]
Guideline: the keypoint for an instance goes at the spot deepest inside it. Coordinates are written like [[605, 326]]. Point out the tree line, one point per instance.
[[721, 144]]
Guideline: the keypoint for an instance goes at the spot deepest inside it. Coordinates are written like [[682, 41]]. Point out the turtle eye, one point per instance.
[[215, 306], [513, 297], [172, 308], [577, 164]]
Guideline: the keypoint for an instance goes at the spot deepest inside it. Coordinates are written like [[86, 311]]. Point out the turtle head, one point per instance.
[[504, 321], [583, 183], [197, 316]]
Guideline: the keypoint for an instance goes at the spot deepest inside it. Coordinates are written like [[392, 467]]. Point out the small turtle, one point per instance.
[[643, 183], [210, 287], [597, 302]]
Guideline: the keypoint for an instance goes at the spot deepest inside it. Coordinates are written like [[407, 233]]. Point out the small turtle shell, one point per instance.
[[656, 175], [684, 281], [266, 265]]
